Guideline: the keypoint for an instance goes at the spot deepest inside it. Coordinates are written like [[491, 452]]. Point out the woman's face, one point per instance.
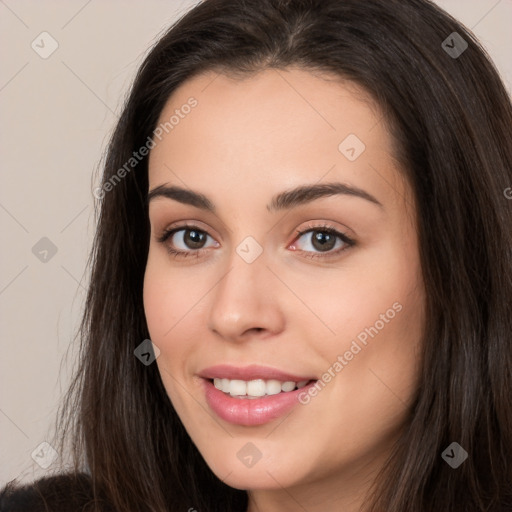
[[321, 329]]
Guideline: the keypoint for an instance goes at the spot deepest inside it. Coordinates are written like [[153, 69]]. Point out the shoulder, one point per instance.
[[62, 493]]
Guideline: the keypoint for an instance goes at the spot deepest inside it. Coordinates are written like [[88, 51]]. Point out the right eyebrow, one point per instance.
[[182, 195]]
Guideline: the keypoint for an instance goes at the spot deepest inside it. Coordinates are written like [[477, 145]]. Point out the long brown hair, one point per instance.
[[451, 118]]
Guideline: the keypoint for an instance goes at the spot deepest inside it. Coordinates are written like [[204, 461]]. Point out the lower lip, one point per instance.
[[250, 412]]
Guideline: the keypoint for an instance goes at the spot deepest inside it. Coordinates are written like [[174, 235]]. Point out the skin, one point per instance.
[[246, 140]]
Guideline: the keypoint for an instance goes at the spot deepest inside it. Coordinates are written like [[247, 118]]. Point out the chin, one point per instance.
[[242, 466], [258, 477]]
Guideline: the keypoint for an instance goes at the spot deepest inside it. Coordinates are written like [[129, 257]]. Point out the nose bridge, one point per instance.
[[242, 299]]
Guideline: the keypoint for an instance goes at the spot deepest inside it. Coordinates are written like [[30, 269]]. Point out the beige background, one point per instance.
[[56, 115]]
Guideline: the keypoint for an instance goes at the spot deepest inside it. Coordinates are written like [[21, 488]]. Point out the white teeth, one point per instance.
[[256, 388], [273, 387], [237, 387], [225, 385], [288, 386]]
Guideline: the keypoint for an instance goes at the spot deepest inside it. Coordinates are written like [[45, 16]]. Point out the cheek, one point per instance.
[[374, 310], [168, 298], [387, 326], [175, 306], [380, 292], [166, 303]]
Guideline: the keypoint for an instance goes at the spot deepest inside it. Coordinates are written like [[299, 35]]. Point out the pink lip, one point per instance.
[[252, 372], [245, 411]]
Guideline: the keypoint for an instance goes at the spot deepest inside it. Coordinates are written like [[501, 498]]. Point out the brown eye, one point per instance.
[[320, 241], [186, 241], [189, 238], [193, 239], [323, 241]]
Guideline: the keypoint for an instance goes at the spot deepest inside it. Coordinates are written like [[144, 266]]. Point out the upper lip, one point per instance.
[[252, 372]]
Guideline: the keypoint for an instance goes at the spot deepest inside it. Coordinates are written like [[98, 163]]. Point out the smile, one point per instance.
[[256, 388], [253, 395]]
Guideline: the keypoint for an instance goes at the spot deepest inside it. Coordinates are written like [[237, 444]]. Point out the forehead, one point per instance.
[[277, 126]]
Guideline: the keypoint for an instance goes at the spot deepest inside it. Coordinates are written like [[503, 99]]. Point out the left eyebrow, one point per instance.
[[282, 201], [307, 193]]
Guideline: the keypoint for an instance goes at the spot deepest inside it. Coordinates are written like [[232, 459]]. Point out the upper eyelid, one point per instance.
[[168, 232], [195, 224]]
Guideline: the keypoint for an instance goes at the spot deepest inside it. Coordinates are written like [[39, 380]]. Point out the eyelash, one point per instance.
[[349, 242]]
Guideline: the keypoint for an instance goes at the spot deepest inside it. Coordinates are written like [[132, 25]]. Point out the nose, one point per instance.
[[245, 303]]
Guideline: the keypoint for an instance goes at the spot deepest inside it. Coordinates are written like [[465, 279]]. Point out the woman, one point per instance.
[[305, 209]]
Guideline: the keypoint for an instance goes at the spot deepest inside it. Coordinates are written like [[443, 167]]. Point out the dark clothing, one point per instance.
[[60, 493]]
